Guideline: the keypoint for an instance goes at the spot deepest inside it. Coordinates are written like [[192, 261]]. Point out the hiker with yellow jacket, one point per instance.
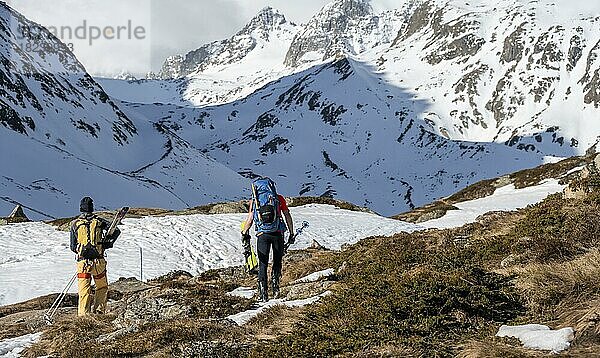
[[89, 241]]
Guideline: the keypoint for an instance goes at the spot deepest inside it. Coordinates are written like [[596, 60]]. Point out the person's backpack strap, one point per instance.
[[273, 189]]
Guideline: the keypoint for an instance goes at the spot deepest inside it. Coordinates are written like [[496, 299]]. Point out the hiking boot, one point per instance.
[[275, 286], [263, 294]]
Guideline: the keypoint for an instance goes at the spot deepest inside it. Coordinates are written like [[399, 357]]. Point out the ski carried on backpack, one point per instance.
[[299, 231], [117, 220]]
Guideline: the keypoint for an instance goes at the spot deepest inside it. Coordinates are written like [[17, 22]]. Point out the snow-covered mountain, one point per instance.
[[338, 130], [63, 137], [345, 27], [387, 109], [269, 25], [520, 72], [503, 71], [218, 72]]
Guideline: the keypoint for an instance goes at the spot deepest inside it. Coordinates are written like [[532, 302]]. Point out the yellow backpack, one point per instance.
[[89, 238]]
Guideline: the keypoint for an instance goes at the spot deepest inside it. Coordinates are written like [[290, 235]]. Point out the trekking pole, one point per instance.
[[299, 231], [58, 301]]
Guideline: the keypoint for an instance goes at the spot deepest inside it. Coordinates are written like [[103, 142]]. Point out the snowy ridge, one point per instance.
[[503, 71], [342, 28], [218, 72]]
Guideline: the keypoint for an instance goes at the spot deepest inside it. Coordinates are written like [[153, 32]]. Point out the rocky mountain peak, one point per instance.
[[333, 30], [351, 9], [266, 21], [267, 24]]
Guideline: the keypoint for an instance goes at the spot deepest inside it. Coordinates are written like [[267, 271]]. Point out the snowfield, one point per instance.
[[11, 348], [506, 198], [194, 243]]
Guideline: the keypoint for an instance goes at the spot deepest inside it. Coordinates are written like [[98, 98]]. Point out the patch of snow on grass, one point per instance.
[[14, 346], [506, 198], [244, 292], [244, 317], [315, 276], [537, 336]]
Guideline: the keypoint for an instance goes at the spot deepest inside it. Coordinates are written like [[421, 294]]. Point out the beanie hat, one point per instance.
[[86, 205]]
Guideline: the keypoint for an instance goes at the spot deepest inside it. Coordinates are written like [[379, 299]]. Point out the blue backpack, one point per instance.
[[266, 206]]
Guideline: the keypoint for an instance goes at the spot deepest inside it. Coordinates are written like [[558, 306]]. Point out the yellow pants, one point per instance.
[[85, 271]]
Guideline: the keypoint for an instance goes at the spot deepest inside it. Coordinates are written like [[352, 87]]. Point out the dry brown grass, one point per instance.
[[77, 337], [386, 350], [274, 322], [496, 348], [431, 211], [39, 303], [71, 337], [167, 335], [300, 264], [546, 286], [13, 330]]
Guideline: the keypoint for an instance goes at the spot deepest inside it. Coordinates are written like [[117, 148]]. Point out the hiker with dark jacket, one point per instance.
[[89, 241], [268, 211]]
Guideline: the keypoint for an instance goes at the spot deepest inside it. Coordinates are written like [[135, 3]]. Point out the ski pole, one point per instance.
[[299, 231], [57, 302]]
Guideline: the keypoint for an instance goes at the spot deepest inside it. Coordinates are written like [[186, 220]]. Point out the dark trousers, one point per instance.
[[264, 244]]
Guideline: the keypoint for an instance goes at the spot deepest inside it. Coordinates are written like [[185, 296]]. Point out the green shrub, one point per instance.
[[397, 292]]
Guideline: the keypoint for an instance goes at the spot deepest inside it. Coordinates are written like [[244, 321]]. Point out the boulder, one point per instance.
[[503, 181], [129, 285], [149, 306]]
